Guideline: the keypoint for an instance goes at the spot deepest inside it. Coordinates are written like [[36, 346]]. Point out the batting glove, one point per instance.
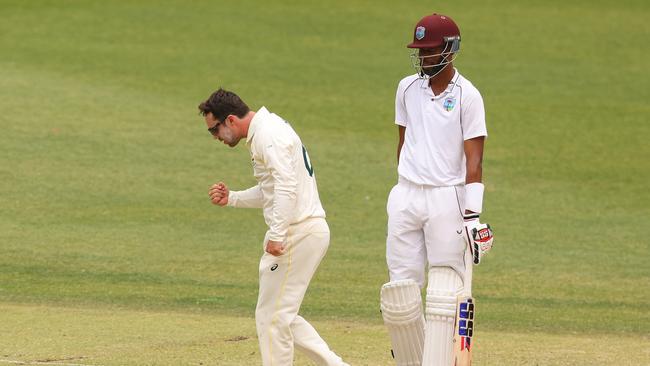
[[479, 236]]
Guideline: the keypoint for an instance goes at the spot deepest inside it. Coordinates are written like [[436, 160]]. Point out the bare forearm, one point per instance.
[[474, 160], [399, 150], [474, 175], [400, 133], [474, 171]]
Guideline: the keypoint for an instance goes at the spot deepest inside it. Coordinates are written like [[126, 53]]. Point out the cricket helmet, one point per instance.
[[435, 30]]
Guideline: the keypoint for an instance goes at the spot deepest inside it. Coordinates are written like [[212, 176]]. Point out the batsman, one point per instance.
[[434, 233]]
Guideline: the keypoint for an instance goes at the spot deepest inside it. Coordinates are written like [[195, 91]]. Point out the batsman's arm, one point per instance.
[[401, 117], [474, 134], [474, 174], [400, 143], [479, 236]]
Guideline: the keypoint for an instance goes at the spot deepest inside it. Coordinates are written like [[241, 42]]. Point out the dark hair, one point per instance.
[[223, 103]]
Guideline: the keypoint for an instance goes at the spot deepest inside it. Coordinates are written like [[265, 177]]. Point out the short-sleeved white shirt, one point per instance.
[[436, 126]]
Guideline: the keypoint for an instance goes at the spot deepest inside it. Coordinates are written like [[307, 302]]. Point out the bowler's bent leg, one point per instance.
[[283, 283]]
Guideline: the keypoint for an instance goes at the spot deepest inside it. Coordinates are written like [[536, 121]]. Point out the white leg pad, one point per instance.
[[442, 290], [401, 308]]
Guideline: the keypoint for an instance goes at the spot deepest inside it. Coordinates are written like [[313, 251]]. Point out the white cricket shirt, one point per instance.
[[436, 126], [286, 189]]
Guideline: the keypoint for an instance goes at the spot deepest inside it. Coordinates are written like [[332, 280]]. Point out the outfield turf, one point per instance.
[[107, 234]]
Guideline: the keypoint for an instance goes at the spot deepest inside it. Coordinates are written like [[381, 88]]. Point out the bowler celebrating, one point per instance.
[[298, 235]]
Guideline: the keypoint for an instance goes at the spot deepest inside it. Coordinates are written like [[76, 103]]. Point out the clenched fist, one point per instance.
[[275, 248], [219, 194]]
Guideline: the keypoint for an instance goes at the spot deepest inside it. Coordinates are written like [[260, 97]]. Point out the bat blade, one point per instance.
[[464, 330]]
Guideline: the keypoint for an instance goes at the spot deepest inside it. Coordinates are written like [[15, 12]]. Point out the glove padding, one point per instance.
[[479, 237]]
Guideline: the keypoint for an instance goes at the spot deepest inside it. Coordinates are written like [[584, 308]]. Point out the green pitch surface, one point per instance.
[[111, 253]]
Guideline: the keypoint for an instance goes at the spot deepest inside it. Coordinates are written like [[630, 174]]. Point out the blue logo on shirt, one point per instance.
[[449, 104]]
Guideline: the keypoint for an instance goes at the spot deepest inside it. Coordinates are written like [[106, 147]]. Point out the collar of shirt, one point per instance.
[[260, 115], [450, 86]]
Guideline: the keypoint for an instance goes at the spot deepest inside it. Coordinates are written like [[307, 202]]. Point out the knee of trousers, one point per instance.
[[442, 291], [272, 321], [272, 332]]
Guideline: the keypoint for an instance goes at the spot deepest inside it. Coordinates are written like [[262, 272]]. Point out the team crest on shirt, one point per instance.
[[419, 33], [449, 104]]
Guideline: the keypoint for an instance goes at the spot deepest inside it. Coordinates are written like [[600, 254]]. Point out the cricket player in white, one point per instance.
[[298, 235], [433, 211]]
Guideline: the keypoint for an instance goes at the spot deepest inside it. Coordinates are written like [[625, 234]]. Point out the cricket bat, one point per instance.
[[465, 309], [463, 331]]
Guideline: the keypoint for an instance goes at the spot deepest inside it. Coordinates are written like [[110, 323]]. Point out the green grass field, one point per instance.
[[111, 253]]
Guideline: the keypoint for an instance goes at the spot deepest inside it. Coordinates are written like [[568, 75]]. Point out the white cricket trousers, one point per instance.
[[283, 283], [425, 226]]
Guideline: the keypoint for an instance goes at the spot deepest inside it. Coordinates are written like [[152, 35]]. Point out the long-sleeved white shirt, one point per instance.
[[286, 189]]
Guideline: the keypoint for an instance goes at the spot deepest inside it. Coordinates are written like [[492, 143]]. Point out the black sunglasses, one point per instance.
[[214, 130]]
